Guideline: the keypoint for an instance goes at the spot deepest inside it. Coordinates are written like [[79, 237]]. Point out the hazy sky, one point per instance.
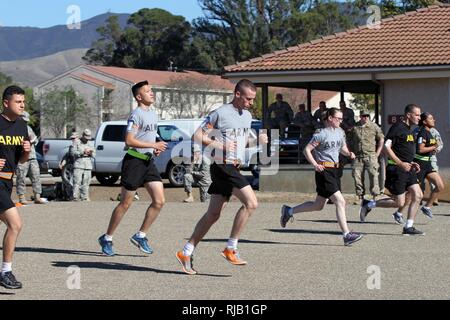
[[47, 13]]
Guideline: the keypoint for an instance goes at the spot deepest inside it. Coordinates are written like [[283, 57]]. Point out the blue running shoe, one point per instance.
[[352, 237], [142, 244], [427, 212], [106, 246], [398, 218]]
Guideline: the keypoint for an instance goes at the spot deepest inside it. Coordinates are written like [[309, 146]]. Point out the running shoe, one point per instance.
[[106, 246], [427, 212], [412, 232], [9, 281], [352, 237], [186, 263], [142, 244], [398, 218], [232, 256], [285, 216], [364, 210]]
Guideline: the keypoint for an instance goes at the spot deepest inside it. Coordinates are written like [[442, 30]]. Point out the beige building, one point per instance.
[[403, 59], [107, 94]]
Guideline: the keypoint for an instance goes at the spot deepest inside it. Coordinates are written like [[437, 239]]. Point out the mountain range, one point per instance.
[[19, 43]]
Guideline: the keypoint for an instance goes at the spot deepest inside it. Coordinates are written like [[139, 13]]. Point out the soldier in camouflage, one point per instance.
[[367, 143], [30, 168], [83, 152], [198, 172]]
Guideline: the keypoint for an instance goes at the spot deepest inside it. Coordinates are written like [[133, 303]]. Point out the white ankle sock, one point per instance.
[[372, 204], [141, 234], [6, 267], [345, 233], [232, 243], [409, 223], [108, 237], [291, 211], [188, 249]]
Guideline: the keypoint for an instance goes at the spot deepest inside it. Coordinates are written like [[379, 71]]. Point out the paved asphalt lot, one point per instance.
[[307, 260]]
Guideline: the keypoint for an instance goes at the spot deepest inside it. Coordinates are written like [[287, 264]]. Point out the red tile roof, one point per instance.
[[165, 78], [93, 80], [417, 38]]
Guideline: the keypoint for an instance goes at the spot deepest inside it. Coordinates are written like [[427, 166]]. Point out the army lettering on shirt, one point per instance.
[[232, 125], [403, 143], [12, 135], [425, 136], [328, 144], [144, 123]]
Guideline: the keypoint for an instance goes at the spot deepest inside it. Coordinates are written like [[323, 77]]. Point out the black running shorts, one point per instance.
[[425, 169], [328, 182], [5, 195], [398, 180], [224, 178], [136, 172]]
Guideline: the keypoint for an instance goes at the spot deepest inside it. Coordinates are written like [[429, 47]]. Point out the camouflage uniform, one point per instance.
[[364, 145], [82, 168], [30, 168], [198, 172]]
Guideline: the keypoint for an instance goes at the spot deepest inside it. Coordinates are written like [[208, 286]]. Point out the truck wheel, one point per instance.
[[106, 179], [176, 174]]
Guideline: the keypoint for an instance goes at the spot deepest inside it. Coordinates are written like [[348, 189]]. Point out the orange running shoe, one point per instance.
[[232, 257], [186, 263]]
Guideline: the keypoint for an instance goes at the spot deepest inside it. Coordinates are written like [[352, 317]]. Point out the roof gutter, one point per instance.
[[238, 74]]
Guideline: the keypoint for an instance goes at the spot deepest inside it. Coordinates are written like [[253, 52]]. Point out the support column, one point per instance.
[[309, 98]]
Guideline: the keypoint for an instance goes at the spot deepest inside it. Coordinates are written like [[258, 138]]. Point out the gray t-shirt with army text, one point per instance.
[[329, 142], [231, 125], [147, 123]]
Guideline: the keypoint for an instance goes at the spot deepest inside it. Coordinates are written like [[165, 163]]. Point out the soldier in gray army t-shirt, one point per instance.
[[138, 169], [326, 144], [232, 123]]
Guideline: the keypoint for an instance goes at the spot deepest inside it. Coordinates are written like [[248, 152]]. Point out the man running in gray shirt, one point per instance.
[[327, 144], [138, 169], [230, 126]]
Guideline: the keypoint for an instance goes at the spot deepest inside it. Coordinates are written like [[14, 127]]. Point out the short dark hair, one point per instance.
[[12, 90], [137, 86], [279, 96], [410, 107], [244, 83]]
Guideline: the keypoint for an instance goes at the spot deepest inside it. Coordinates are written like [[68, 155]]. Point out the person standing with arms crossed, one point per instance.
[[138, 169], [401, 173], [367, 143], [14, 149], [327, 144], [230, 125]]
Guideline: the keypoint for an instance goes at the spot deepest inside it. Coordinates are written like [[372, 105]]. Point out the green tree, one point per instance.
[[102, 50], [363, 101], [62, 108], [155, 39], [255, 27], [5, 81]]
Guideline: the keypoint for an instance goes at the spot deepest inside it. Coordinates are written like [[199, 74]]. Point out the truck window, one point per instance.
[[114, 133], [170, 133]]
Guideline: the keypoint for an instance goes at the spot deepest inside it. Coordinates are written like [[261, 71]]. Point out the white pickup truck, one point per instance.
[[110, 150]]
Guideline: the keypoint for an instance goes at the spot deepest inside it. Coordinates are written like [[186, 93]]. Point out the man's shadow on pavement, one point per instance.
[[123, 267], [271, 242], [335, 233], [67, 251]]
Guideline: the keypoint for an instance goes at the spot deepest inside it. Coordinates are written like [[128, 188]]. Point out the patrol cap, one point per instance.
[[74, 135], [26, 116], [87, 133], [364, 113]]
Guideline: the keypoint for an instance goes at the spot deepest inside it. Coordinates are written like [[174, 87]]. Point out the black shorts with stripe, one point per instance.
[[398, 180], [6, 187], [328, 182], [425, 169], [224, 178], [136, 172]]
